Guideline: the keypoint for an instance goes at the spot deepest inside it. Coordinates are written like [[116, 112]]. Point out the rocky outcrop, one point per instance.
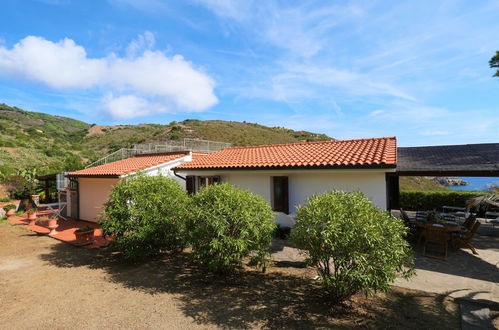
[[450, 181]]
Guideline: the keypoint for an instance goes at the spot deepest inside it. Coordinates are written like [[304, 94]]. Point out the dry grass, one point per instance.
[[46, 283]]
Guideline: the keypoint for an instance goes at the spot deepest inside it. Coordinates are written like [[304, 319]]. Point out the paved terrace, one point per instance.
[[65, 231], [463, 275]]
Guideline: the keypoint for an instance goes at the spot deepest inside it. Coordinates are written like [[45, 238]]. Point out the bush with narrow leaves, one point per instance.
[[146, 214], [227, 224], [354, 246]]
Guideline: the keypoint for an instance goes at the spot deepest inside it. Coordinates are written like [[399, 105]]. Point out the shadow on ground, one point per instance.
[[461, 262], [276, 299]]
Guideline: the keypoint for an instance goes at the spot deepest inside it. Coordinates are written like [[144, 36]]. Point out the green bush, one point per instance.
[[354, 246], [227, 224], [9, 207], [429, 200], [147, 215]]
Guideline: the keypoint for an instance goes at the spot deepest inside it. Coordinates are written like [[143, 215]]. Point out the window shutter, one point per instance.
[[189, 184], [285, 191]]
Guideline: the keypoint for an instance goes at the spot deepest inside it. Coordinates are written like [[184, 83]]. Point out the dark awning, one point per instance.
[[452, 160]]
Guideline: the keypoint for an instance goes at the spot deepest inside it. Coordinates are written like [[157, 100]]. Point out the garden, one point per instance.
[[208, 260]]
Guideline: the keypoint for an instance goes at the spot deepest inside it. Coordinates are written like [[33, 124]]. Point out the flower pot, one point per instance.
[[84, 237], [52, 223], [10, 212], [32, 218]]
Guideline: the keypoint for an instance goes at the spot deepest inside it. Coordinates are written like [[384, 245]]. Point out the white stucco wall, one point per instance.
[[94, 192], [305, 183]]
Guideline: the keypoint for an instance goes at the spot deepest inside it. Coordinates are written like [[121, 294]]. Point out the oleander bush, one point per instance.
[[354, 246], [227, 224], [146, 214], [429, 200]]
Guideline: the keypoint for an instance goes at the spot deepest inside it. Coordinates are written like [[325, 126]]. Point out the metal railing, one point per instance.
[[166, 146]]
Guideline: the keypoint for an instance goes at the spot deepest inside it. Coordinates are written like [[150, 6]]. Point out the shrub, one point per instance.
[[9, 207], [227, 224], [20, 187], [429, 200], [354, 246], [147, 215]]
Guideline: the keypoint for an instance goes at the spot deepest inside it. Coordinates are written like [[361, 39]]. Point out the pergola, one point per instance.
[[480, 160], [46, 180]]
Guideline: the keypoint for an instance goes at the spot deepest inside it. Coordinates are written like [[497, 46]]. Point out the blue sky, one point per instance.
[[417, 70]]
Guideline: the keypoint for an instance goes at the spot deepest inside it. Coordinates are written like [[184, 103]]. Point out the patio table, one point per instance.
[[450, 228]]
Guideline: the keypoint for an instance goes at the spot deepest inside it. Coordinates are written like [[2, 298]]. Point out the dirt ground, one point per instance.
[[48, 284]]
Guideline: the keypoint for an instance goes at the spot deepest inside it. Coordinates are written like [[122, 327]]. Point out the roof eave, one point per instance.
[[103, 176], [370, 166]]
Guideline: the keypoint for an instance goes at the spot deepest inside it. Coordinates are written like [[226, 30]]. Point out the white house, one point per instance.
[[286, 175], [94, 184]]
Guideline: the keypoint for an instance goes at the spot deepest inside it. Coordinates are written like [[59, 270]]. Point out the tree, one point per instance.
[[494, 63], [354, 246], [146, 214], [228, 224]]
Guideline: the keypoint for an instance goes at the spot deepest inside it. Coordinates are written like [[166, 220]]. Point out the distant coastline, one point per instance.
[[449, 181], [477, 183]]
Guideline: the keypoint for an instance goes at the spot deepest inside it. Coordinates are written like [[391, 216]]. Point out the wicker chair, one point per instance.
[[465, 240], [437, 236]]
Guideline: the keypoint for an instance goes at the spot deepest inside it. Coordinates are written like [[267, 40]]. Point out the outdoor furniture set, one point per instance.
[[437, 230]]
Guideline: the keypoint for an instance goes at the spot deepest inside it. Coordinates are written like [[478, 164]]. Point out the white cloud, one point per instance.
[[145, 41], [129, 106], [144, 75]]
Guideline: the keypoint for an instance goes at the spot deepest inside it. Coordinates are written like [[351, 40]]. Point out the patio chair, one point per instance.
[[469, 222], [494, 222], [409, 224], [436, 235], [465, 240]]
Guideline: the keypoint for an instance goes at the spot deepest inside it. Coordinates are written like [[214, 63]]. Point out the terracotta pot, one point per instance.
[[32, 218], [52, 222], [84, 237], [10, 212]]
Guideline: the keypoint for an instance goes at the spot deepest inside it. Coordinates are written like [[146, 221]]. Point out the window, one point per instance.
[[194, 183], [280, 199]]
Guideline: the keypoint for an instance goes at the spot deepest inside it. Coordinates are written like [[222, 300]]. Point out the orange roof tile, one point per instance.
[[359, 152], [128, 165]]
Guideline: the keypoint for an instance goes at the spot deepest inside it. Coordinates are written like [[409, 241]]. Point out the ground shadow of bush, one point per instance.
[[248, 298]]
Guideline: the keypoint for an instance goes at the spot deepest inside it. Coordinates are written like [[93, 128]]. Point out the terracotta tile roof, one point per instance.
[[127, 165], [375, 152]]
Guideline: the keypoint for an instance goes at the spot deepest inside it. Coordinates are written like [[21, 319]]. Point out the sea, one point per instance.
[[477, 183]]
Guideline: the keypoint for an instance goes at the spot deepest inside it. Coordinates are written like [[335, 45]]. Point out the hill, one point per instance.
[[54, 143], [420, 183]]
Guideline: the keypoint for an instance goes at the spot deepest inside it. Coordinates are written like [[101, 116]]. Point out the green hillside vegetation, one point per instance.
[[54, 143], [33, 139], [420, 183], [237, 133]]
